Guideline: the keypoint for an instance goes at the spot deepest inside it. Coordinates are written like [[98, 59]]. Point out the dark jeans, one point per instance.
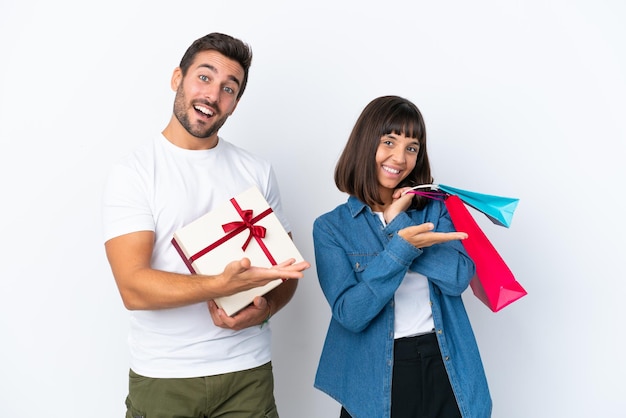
[[420, 385]]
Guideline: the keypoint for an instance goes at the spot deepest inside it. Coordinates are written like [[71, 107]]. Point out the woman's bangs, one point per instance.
[[404, 123]]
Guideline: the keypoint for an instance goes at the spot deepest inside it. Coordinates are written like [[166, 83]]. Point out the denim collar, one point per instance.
[[356, 206]]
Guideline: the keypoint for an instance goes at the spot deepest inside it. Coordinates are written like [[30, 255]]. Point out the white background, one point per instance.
[[521, 98]]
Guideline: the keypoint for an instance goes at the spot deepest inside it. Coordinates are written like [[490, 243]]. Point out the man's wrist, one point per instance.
[[269, 314]]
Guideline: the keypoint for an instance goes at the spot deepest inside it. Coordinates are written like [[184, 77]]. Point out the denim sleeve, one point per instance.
[[447, 265], [358, 291]]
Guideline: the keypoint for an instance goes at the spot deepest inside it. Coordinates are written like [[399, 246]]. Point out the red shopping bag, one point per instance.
[[494, 283]]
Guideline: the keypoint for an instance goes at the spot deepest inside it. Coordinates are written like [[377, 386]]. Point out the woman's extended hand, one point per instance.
[[421, 236]]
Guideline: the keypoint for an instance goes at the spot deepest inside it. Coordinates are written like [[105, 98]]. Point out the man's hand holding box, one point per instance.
[[244, 226]]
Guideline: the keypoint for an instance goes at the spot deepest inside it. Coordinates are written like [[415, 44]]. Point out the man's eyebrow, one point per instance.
[[213, 69]]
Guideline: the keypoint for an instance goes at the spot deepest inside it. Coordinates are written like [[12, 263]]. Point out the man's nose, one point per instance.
[[212, 93]]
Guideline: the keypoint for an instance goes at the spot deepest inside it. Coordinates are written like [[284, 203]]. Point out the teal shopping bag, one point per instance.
[[497, 208]]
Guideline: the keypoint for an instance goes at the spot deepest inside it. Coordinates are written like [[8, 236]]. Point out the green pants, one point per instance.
[[243, 394]]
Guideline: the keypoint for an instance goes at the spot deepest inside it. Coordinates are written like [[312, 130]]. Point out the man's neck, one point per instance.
[[177, 135]]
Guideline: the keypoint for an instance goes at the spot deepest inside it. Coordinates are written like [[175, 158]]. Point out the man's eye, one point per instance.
[[203, 78], [229, 90]]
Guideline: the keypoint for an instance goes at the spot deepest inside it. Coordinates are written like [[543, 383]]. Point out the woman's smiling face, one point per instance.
[[396, 157]]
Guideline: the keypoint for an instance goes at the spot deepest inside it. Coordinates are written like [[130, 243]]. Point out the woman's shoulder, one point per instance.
[[434, 209], [435, 205], [339, 214], [336, 211]]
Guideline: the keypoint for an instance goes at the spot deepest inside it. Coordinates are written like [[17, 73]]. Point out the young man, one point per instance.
[[188, 358]]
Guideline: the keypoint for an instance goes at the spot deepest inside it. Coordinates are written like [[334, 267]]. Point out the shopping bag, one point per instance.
[[498, 209], [494, 283]]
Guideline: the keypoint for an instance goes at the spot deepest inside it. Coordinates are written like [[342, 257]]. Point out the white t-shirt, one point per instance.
[[413, 314], [161, 187]]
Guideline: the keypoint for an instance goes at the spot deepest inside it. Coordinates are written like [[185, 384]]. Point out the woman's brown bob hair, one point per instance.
[[356, 171]]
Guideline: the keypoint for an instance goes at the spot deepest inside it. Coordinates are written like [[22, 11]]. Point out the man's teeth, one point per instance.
[[391, 170], [204, 110]]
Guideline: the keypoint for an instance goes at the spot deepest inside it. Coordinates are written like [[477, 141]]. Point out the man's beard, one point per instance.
[[198, 130]]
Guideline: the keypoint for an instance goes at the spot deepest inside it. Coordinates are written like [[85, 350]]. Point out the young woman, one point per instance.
[[393, 269]]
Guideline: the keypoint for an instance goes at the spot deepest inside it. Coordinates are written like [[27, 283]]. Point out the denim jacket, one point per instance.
[[360, 264]]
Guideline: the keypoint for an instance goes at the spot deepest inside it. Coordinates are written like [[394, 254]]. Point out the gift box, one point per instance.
[[244, 226]]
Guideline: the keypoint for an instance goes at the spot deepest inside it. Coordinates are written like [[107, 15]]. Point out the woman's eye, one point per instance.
[[413, 149]]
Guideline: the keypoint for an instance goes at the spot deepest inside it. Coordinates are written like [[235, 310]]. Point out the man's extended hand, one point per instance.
[[259, 310], [241, 275]]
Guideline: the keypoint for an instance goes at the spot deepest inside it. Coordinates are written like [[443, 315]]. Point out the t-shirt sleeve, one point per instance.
[[125, 204], [272, 195]]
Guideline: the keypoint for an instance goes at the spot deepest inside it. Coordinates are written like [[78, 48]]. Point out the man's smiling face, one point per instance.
[[207, 95]]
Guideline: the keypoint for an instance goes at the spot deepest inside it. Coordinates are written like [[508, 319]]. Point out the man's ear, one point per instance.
[[177, 78], [234, 107]]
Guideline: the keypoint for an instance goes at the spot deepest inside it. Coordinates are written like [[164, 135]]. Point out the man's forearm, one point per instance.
[[281, 295]]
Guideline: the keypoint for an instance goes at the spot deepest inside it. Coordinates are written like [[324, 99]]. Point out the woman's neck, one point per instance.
[[386, 197]]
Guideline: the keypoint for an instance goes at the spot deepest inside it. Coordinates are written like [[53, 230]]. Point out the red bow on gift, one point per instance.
[[234, 228], [256, 231]]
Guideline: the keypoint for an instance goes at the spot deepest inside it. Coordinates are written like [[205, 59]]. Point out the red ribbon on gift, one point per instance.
[[256, 231], [234, 228]]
